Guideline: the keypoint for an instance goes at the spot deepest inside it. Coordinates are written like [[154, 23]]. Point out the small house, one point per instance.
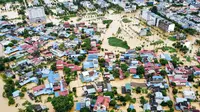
[[189, 94]]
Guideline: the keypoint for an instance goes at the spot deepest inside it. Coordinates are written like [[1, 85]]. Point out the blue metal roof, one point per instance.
[[88, 65], [92, 56], [78, 106], [157, 77], [53, 77], [168, 57]]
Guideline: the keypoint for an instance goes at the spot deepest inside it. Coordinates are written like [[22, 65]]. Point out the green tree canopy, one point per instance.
[[63, 103]]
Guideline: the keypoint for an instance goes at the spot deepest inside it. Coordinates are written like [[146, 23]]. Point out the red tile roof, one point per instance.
[[93, 52], [102, 100], [37, 88], [133, 70], [63, 93]]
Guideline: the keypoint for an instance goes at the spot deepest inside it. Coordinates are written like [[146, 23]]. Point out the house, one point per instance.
[[89, 89], [70, 6], [129, 7], [147, 106], [166, 57], [158, 97], [126, 89], [87, 4], [26, 81], [189, 94], [102, 103], [62, 93], [89, 76], [182, 104], [179, 76], [108, 76], [43, 89], [39, 108], [109, 55], [103, 3], [36, 15], [196, 71], [57, 52], [157, 79], [79, 106], [15, 93], [144, 31]]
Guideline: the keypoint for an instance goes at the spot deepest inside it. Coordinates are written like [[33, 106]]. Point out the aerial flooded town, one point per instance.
[[100, 55]]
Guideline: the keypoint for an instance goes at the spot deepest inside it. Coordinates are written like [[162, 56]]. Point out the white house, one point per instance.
[[189, 94]]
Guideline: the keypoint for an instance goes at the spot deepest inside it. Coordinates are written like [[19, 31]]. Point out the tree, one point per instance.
[[53, 67], [10, 44], [116, 73], [14, 41], [142, 100], [21, 94], [163, 61], [67, 70], [63, 103], [49, 24], [112, 103], [173, 84], [138, 90], [190, 78], [124, 67], [175, 91], [23, 89], [170, 103], [85, 109], [61, 47], [11, 101], [154, 9], [140, 70], [81, 58], [108, 93], [127, 74], [163, 73]]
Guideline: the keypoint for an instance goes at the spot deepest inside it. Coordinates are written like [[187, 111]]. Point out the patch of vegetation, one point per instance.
[[167, 48], [188, 58], [107, 22], [157, 42], [113, 41], [172, 38], [125, 20], [181, 47], [63, 103], [7, 1]]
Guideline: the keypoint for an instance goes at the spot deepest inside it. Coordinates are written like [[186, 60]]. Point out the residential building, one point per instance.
[[189, 94], [102, 103], [166, 25]]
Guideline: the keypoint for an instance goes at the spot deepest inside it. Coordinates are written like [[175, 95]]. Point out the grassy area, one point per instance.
[[107, 22], [125, 20], [188, 58], [172, 38], [113, 41], [157, 42], [167, 48]]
